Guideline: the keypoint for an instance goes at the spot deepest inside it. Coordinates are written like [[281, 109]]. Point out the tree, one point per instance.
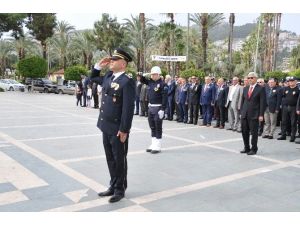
[[41, 26], [74, 72], [83, 41], [295, 57], [140, 37], [5, 50], [231, 22], [33, 67], [206, 21], [12, 22], [109, 34], [61, 40]]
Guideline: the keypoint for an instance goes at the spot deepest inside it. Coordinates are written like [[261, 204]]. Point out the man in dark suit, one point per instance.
[[221, 98], [194, 92], [171, 86], [183, 101], [207, 101], [115, 118], [252, 111], [273, 100], [138, 93]]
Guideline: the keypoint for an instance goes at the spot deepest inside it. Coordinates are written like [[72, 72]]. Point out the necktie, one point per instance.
[[112, 77], [250, 91]]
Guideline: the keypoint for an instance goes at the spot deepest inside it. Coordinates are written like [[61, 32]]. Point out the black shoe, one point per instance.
[[252, 152], [265, 136], [282, 138], [108, 192], [279, 133], [148, 150], [259, 134], [116, 198], [245, 151], [239, 131], [270, 137], [155, 151], [179, 121], [190, 122], [217, 126], [292, 139], [229, 129]]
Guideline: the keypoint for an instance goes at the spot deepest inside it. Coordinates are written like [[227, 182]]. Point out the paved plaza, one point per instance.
[[52, 159]]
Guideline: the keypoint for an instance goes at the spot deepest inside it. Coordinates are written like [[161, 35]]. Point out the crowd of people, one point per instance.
[[189, 100]]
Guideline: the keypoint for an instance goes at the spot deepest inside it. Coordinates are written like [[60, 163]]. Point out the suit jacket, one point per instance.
[[194, 94], [273, 98], [138, 87], [183, 94], [236, 101], [208, 96], [221, 98], [254, 106], [117, 105], [171, 90]]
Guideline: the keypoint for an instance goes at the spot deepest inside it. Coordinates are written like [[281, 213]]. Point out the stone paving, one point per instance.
[[52, 159]]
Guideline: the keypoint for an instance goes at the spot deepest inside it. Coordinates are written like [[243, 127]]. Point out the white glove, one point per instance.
[[161, 114]]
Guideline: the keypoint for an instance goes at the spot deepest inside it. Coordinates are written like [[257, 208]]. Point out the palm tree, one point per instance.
[[23, 45], [6, 49], [143, 33], [83, 42], [206, 21], [231, 23], [140, 37], [61, 40]]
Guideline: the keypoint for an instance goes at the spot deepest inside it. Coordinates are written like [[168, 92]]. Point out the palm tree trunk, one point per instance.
[[231, 22], [44, 46], [204, 17], [278, 21], [89, 61], [143, 50]]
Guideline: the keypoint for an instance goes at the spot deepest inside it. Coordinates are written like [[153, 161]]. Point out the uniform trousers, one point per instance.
[[116, 157], [155, 122]]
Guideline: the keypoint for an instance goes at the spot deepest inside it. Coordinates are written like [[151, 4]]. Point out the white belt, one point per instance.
[[154, 105]]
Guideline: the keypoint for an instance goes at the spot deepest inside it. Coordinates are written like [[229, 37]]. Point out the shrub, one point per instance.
[[33, 67], [75, 72], [275, 74], [193, 72], [295, 73], [1, 89]]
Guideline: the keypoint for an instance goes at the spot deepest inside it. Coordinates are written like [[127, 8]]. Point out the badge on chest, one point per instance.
[[115, 86], [157, 87]]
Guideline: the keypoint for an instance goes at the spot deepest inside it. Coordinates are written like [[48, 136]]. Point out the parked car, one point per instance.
[[66, 89], [43, 85], [11, 85]]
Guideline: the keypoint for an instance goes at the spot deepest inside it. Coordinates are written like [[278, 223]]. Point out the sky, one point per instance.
[[289, 21]]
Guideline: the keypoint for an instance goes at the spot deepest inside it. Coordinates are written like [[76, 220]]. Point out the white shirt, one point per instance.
[[232, 91]]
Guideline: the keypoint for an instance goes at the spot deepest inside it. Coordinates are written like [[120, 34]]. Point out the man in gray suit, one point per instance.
[[233, 104]]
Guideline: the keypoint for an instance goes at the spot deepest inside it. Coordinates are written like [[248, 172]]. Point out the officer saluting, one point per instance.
[[115, 118], [157, 96]]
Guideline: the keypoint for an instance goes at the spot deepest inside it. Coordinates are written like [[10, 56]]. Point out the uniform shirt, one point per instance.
[[291, 96], [157, 94]]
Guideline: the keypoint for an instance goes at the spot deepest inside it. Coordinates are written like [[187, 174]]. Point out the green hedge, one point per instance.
[[295, 73], [1, 89], [275, 74], [75, 72], [33, 67], [193, 72]]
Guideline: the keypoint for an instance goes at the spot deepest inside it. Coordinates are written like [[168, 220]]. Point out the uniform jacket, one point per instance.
[[157, 93], [117, 105]]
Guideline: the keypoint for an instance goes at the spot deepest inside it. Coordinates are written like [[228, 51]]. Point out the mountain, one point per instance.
[[221, 31]]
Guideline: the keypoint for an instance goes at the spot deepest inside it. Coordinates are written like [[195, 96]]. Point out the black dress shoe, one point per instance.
[[281, 138], [115, 198], [108, 192], [245, 151], [251, 152], [270, 137], [229, 129], [292, 139], [155, 151], [265, 136]]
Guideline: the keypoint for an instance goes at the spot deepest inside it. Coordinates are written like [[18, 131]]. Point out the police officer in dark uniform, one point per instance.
[[157, 97], [291, 94], [115, 118]]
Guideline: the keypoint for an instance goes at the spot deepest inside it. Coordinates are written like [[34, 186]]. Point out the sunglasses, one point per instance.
[[250, 78]]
